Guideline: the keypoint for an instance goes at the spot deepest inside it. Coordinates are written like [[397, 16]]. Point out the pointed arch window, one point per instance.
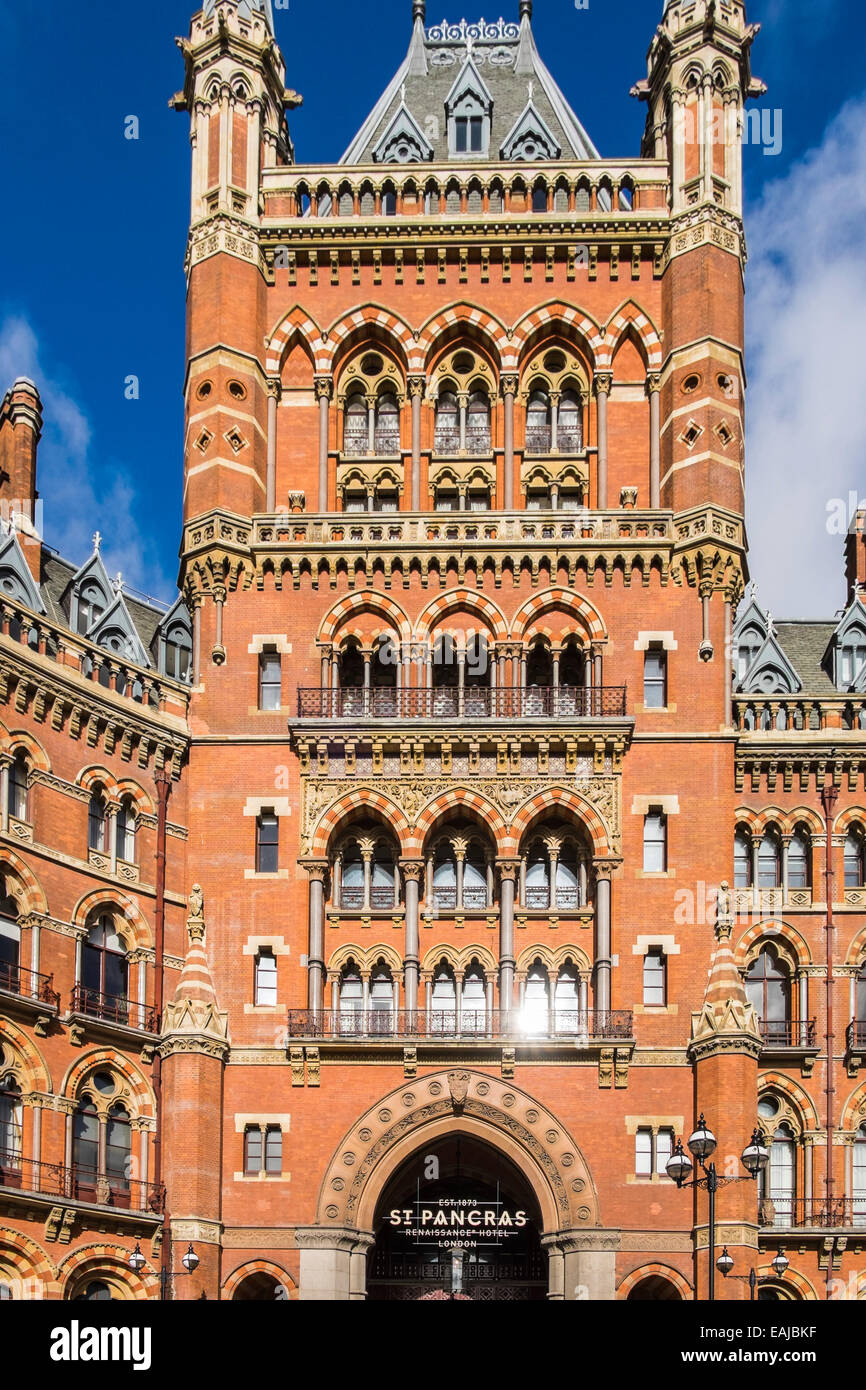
[[97, 821], [566, 1000], [178, 653], [536, 1001], [126, 828], [855, 859], [381, 999], [570, 431], [355, 426], [447, 438], [91, 606], [443, 1011], [265, 993], [768, 989], [478, 423], [800, 860], [19, 773], [10, 945], [742, 859], [387, 432], [852, 655], [538, 416], [118, 1149], [351, 1000], [104, 973], [858, 1178], [769, 861], [473, 1001], [85, 1143], [778, 1182], [11, 1115]]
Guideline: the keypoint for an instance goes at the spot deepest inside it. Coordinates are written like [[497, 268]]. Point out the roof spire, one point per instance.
[[526, 9]]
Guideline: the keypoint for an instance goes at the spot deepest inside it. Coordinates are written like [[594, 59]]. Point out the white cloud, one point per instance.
[[77, 499], [805, 310]]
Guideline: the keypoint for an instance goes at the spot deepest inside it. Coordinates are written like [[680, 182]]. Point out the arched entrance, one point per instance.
[[457, 1218], [655, 1289]]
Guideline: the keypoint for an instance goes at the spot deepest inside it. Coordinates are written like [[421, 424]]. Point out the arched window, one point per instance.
[[538, 422], [18, 798], [444, 876], [178, 653], [778, 1182], [10, 945], [536, 1001], [555, 872], [855, 859], [473, 1003], [104, 973], [475, 893], [5, 1292], [852, 655], [91, 606], [446, 676], [97, 1291], [539, 198], [126, 824], [570, 431], [352, 878], [118, 1150], [566, 1000], [443, 1004], [742, 859], [351, 676], [387, 436], [769, 861], [800, 860], [365, 873], [478, 424], [381, 999], [461, 865], [858, 1178], [97, 821], [447, 439], [351, 991], [356, 437], [85, 1143], [768, 988], [10, 1125]]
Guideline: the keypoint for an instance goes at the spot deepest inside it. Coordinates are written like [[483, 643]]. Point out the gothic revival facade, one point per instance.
[[379, 918]]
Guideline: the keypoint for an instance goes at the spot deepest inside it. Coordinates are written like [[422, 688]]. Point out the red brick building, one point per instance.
[[378, 919]]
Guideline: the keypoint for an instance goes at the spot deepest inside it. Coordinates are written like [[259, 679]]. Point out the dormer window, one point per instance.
[[469, 108], [469, 135], [91, 606], [852, 655]]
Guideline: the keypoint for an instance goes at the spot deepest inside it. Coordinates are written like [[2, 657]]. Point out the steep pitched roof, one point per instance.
[[403, 141], [505, 56], [116, 624], [530, 137], [15, 576]]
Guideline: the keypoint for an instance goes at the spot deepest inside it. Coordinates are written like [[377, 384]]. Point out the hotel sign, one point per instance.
[[458, 1223]]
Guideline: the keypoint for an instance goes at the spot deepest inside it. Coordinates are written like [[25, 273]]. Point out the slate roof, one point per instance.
[[805, 644], [509, 63], [57, 576]]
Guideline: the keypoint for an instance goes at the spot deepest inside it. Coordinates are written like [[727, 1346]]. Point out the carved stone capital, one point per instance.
[[324, 387], [274, 387], [602, 383]]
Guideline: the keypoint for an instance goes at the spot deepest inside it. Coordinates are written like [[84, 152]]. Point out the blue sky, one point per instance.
[[93, 237]]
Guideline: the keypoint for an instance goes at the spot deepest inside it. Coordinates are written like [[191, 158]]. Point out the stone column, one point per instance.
[[508, 869], [197, 601], [218, 655], [5, 765], [316, 939], [729, 662], [509, 391], [412, 870], [653, 386], [460, 847], [324, 391], [463, 404], [366, 847], [416, 392], [274, 392], [602, 385], [602, 938]]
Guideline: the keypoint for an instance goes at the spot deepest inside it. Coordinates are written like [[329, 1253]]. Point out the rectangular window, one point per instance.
[[267, 843], [664, 1149], [266, 979], [655, 678], [643, 1153], [461, 135], [476, 134], [273, 1150], [252, 1150], [270, 680], [655, 978], [655, 842]]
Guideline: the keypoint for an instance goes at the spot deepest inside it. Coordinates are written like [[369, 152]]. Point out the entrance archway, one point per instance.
[[457, 1219]]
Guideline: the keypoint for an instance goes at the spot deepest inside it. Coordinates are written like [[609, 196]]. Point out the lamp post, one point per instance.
[[702, 1145], [725, 1263], [190, 1264]]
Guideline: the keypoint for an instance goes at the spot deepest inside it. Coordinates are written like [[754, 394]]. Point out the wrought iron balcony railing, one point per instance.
[[787, 1034], [530, 1024], [856, 1036], [796, 1213], [80, 1184], [473, 702], [539, 899], [113, 1008], [381, 899], [28, 984]]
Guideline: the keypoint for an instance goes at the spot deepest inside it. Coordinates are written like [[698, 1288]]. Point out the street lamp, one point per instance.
[[780, 1266], [190, 1264], [702, 1146]]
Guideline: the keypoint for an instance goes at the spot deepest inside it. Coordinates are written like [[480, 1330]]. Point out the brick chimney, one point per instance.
[[20, 432], [855, 556]]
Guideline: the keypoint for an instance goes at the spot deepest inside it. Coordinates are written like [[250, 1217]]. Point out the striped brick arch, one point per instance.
[[243, 1272], [766, 933], [22, 883], [854, 1109], [23, 1256], [857, 950], [552, 959], [26, 1059], [547, 318], [796, 1097], [359, 322], [459, 799], [459, 958], [110, 1263], [355, 603], [566, 802], [469, 318], [462, 598], [348, 807], [109, 1059], [854, 815], [19, 741], [655, 1271], [582, 609], [630, 316], [136, 928], [296, 323], [365, 957]]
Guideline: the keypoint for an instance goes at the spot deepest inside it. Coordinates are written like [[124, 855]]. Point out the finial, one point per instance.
[[419, 11], [97, 541], [118, 582], [526, 9]]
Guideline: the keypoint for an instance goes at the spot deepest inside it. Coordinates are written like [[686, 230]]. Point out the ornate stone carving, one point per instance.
[[458, 1085]]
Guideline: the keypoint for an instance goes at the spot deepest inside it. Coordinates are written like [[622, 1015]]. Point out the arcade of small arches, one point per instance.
[[777, 851], [473, 396]]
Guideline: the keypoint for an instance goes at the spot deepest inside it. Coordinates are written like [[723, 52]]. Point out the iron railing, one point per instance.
[[28, 984], [473, 702], [539, 440], [381, 899], [573, 1025], [113, 1008], [799, 1212], [856, 1035], [539, 899], [788, 1034], [80, 1184]]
